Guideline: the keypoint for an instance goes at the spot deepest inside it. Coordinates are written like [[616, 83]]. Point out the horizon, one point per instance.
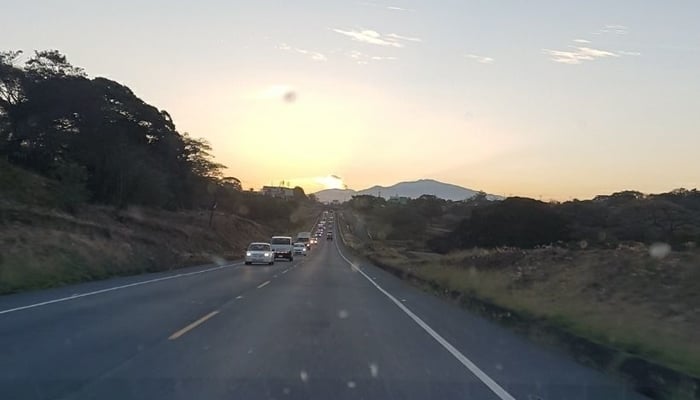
[[541, 100], [496, 194]]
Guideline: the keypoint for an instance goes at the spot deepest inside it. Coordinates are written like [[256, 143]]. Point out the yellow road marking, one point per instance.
[[192, 325]]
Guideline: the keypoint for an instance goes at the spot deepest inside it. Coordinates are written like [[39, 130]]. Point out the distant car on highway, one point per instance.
[[282, 247], [259, 252], [329, 236], [300, 248]]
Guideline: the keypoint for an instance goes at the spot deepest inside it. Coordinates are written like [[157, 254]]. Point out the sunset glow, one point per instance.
[[507, 101]]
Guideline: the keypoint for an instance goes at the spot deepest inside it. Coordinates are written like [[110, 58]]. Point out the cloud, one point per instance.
[[395, 8], [582, 52], [386, 7], [613, 29], [578, 55], [406, 38], [480, 59], [373, 37], [364, 59], [314, 55]]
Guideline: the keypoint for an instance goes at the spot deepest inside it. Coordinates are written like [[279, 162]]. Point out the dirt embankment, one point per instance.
[[633, 311], [42, 247]]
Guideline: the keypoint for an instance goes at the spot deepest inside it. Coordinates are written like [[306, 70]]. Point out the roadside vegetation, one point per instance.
[[95, 182], [621, 270]]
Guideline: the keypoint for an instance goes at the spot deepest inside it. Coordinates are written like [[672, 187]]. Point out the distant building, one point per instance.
[[278, 192], [399, 199]]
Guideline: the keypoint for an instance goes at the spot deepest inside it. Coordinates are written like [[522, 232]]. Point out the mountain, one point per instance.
[[412, 189], [330, 195]]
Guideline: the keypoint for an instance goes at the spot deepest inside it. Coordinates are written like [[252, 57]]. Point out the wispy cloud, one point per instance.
[[480, 59], [364, 59], [406, 38], [583, 51], [373, 37], [629, 53], [612, 29], [386, 7], [314, 55], [577, 55], [396, 8]]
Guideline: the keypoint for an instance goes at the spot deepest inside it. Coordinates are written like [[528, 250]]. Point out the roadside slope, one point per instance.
[[42, 245]]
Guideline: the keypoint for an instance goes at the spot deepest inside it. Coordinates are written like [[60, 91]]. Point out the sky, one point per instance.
[[546, 99]]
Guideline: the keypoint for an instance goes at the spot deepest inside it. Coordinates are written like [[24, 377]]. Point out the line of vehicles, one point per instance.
[[286, 247]]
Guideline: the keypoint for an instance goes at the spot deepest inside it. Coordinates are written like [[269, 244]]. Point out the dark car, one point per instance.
[[329, 236]]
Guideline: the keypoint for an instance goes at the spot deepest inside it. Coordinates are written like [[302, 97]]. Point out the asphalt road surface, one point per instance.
[[315, 328]]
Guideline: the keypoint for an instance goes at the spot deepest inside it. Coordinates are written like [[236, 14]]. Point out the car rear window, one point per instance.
[[259, 247], [281, 241]]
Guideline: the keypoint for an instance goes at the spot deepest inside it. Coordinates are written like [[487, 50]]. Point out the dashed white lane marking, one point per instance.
[[495, 387], [285, 271], [262, 285], [80, 295], [192, 325], [239, 297]]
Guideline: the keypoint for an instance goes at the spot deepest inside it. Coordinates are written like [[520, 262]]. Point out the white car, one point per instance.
[[300, 248], [259, 252]]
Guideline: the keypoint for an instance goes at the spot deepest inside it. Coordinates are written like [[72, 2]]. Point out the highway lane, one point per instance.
[[315, 328]]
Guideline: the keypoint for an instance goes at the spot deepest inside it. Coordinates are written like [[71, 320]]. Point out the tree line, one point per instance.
[[96, 136], [604, 221], [104, 144]]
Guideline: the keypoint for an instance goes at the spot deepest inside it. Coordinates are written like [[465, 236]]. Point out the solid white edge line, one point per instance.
[[77, 296], [495, 387]]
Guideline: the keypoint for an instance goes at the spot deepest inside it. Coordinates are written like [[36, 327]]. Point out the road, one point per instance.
[[315, 328]]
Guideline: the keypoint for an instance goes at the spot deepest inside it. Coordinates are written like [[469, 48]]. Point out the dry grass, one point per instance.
[[623, 298], [41, 247]]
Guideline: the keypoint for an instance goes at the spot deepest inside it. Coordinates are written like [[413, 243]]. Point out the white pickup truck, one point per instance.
[[283, 247]]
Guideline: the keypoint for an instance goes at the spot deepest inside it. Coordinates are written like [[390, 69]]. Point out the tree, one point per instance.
[[232, 182], [47, 64], [52, 116], [516, 222], [299, 193]]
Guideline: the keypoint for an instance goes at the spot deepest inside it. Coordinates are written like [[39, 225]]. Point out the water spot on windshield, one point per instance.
[[659, 250], [583, 244], [290, 96], [352, 385], [243, 210], [304, 376], [287, 391], [218, 260], [499, 367], [374, 370], [342, 314]]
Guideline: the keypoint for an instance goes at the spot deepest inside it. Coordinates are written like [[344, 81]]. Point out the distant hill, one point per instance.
[[330, 195], [412, 189]]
